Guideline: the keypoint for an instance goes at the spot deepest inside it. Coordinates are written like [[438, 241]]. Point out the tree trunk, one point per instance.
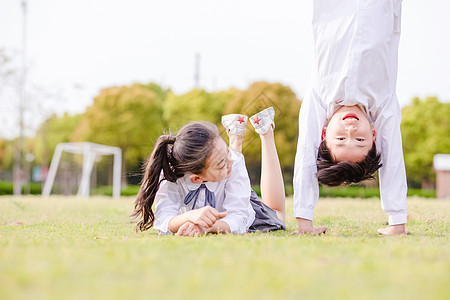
[[427, 185]]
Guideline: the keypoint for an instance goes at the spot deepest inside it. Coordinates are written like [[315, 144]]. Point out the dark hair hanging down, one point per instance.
[[333, 173], [172, 157]]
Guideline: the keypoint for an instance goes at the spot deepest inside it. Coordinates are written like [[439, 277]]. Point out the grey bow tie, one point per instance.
[[193, 196]]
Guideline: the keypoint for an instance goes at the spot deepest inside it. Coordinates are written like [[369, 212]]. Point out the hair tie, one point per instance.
[[170, 139], [170, 158]]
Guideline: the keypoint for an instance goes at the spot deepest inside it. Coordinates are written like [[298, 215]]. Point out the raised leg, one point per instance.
[[272, 183], [235, 124], [235, 142]]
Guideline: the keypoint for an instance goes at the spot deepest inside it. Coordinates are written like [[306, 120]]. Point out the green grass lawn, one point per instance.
[[70, 248]]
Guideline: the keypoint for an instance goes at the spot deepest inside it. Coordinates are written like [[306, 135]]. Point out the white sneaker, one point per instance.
[[235, 123], [263, 120]]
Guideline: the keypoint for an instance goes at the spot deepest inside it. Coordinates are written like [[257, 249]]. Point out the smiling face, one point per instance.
[[349, 136], [218, 165]]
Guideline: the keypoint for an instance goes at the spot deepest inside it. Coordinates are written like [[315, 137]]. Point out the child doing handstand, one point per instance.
[[351, 109], [200, 185]]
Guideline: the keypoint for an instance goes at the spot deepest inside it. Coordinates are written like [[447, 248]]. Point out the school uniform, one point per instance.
[[245, 212], [356, 58]]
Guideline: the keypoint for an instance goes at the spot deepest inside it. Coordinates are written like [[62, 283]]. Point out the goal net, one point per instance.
[[74, 167]]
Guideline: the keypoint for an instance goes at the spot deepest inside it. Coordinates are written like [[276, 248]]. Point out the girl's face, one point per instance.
[[349, 135], [218, 165]]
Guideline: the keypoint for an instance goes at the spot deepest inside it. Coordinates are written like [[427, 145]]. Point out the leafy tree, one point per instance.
[[195, 105], [8, 72], [6, 154], [257, 97], [161, 92], [53, 131], [10, 151], [426, 131], [128, 117]]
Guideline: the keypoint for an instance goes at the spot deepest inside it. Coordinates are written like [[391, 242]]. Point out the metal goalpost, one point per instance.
[[89, 151]]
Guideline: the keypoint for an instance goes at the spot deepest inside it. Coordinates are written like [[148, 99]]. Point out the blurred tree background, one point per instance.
[[425, 131], [132, 117], [129, 117], [257, 97]]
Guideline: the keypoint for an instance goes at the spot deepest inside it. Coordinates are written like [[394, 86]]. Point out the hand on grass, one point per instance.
[[394, 230], [191, 229], [306, 227], [205, 216]]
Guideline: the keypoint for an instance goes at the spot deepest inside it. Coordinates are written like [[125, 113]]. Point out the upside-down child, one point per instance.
[[200, 185], [351, 110]]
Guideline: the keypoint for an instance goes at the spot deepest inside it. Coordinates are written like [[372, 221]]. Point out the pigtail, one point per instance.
[[161, 159]]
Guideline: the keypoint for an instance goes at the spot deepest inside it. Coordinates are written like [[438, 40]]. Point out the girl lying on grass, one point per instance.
[[200, 184]]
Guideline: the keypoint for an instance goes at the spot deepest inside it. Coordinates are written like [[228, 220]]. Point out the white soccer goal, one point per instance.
[[90, 152]]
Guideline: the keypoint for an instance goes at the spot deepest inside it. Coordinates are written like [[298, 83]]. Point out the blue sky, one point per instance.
[[75, 48]]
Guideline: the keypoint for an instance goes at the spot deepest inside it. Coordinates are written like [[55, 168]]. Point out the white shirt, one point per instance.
[[232, 196], [356, 57]]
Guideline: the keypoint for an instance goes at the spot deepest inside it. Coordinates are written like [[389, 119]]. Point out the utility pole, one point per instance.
[[197, 71], [17, 169]]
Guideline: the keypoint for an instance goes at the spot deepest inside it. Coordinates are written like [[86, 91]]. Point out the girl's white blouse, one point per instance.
[[232, 196]]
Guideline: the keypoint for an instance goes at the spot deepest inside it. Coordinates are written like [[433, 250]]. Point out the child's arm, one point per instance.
[[220, 227], [167, 204], [306, 227], [306, 187], [393, 185], [205, 217], [168, 218], [240, 214], [194, 230]]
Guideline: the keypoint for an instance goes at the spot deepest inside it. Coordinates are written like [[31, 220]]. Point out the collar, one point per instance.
[[193, 186]]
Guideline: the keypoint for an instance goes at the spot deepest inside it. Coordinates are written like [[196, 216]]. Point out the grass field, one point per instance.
[[70, 248]]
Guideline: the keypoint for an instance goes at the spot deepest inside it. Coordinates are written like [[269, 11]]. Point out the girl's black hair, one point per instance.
[[172, 158], [334, 173]]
